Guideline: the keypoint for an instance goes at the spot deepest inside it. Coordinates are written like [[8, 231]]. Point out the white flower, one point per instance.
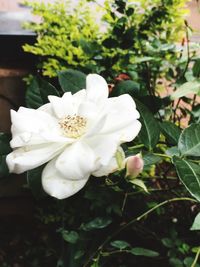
[[78, 135]]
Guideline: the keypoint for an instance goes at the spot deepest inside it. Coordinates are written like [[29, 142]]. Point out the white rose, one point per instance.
[[78, 135]]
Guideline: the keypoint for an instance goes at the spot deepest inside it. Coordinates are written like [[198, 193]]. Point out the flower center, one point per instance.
[[73, 126]]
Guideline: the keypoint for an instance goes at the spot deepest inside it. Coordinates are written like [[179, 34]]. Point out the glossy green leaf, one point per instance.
[[189, 141], [5, 144], [126, 87], [196, 223], [170, 131], [196, 68], [37, 92], [139, 183], [173, 151], [72, 80], [150, 131], [176, 262], [150, 159], [79, 254], [3, 166], [137, 251], [97, 223], [34, 182], [46, 89], [33, 97], [167, 242], [70, 236], [189, 174], [120, 244], [192, 87]]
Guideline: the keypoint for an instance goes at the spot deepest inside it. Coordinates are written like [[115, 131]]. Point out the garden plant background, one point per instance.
[[143, 49]]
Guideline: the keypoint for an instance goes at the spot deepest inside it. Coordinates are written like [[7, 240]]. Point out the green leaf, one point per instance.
[[120, 244], [151, 159], [196, 68], [79, 254], [150, 131], [167, 242], [38, 91], [192, 87], [70, 236], [137, 251], [173, 151], [139, 183], [5, 144], [46, 89], [97, 223], [3, 166], [189, 174], [189, 141], [34, 182], [170, 131], [72, 80], [126, 87], [188, 261], [196, 223], [33, 97], [176, 262]]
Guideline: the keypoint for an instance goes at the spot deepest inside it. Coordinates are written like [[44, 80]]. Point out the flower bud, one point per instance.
[[134, 165]]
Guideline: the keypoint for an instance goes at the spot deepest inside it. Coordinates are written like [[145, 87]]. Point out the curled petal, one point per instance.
[[76, 162], [56, 185], [30, 157]]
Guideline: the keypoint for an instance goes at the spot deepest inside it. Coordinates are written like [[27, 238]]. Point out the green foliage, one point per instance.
[[131, 40], [63, 35], [196, 223], [189, 174], [189, 142]]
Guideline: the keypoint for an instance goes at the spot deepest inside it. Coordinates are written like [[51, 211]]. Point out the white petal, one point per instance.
[[104, 147], [77, 161], [96, 88], [104, 170], [122, 118], [63, 106], [30, 120], [56, 185], [32, 127], [79, 97], [111, 166], [88, 110], [30, 157]]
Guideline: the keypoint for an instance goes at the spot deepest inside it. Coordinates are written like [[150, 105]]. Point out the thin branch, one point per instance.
[[137, 219]]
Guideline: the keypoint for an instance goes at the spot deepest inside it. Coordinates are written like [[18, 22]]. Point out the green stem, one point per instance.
[[137, 219], [162, 155], [137, 146], [196, 258]]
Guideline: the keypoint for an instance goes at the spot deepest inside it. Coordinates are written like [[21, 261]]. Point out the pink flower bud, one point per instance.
[[134, 165]]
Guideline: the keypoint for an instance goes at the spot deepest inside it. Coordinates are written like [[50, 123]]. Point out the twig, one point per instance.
[[137, 219]]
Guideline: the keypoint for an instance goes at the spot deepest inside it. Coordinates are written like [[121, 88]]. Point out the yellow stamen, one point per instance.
[[73, 126]]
